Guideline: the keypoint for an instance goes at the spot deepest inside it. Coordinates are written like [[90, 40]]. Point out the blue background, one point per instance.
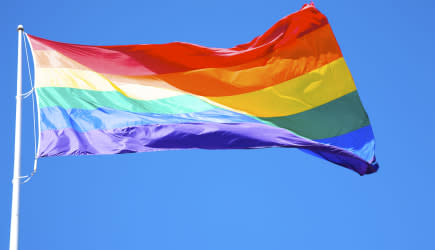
[[234, 199]]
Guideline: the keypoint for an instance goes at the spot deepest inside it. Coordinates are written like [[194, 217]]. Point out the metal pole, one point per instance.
[[13, 243]]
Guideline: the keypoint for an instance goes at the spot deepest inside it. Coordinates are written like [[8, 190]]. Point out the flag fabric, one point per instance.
[[289, 87]]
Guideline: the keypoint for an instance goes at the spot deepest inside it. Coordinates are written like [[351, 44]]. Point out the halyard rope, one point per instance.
[[25, 95]]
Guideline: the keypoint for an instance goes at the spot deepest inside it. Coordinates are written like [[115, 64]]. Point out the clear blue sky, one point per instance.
[[240, 199]]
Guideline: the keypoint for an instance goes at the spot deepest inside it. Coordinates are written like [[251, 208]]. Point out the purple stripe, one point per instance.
[[146, 138]]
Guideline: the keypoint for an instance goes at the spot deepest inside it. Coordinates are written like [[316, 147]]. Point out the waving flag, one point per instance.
[[289, 87]]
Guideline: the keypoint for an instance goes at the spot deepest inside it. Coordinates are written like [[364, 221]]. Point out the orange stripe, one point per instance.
[[306, 54]]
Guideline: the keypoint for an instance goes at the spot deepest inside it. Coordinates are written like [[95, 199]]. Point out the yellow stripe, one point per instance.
[[296, 95], [142, 89]]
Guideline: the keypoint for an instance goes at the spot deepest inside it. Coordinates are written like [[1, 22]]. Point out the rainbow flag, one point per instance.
[[289, 87]]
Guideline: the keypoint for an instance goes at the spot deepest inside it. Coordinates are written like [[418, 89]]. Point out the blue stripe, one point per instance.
[[81, 120], [360, 142], [187, 135]]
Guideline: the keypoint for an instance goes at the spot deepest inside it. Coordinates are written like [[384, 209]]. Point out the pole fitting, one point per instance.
[[20, 27]]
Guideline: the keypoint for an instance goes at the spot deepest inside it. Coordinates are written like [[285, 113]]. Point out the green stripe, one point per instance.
[[69, 98], [334, 118]]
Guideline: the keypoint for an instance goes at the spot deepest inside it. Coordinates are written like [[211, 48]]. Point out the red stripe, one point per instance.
[[152, 59]]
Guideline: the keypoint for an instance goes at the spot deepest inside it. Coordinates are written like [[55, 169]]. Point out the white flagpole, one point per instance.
[[13, 243]]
